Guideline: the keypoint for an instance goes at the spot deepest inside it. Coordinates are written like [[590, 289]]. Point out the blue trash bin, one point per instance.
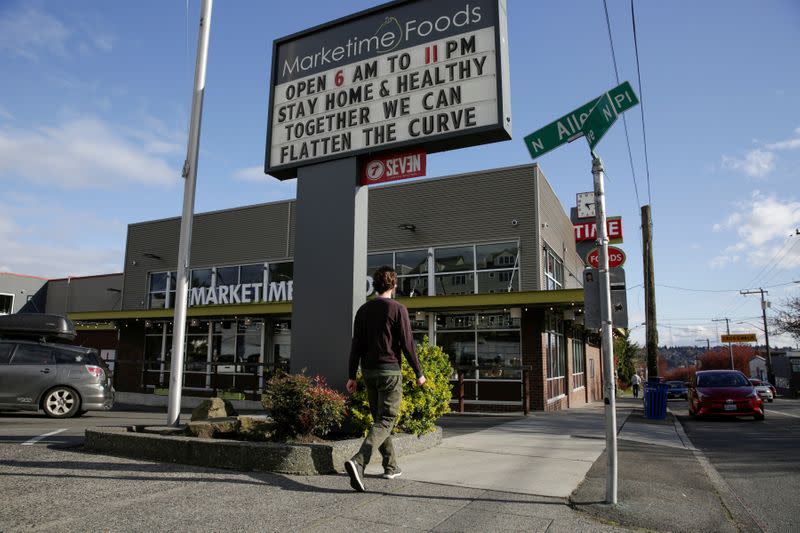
[[655, 399]]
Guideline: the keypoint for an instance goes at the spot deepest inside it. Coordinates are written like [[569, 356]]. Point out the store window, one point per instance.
[[6, 304], [485, 345], [556, 356], [161, 290], [455, 270], [578, 358], [553, 271], [412, 272], [498, 267], [281, 272]]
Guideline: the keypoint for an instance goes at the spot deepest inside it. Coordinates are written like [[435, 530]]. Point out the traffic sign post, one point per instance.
[[593, 120]]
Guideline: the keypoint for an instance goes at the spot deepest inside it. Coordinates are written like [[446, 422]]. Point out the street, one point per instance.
[[758, 460]]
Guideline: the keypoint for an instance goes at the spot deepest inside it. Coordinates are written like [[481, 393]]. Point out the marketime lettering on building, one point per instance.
[[245, 293], [413, 73], [587, 231]]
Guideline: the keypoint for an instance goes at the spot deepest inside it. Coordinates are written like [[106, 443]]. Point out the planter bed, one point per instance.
[[157, 444]]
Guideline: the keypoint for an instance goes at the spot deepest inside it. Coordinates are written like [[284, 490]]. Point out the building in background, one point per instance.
[[487, 267], [22, 293]]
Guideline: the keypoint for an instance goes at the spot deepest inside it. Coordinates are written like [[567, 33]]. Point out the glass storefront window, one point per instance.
[[223, 345], [412, 286], [157, 291], [158, 282], [201, 277], [281, 272], [227, 276], [454, 259], [375, 261], [248, 344], [411, 262], [158, 300], [252, 273], [463, 283], [460, 346], [196, 353], [498, 281], [499, 350], [501, 255], [455, 321]]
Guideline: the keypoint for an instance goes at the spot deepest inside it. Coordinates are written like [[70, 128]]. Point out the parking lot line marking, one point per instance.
[[34, 440]]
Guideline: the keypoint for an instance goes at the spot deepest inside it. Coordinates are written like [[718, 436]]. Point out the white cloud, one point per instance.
[[28, 32], [83, 152], [55, 246], [276, 189], [5, 114], [756, 163], [31, 33], [762, 226]]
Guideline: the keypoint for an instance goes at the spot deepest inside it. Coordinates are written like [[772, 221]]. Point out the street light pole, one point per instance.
[[187, 216]]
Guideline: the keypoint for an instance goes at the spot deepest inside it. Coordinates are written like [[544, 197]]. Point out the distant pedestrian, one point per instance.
[[635, 382], [381, 330]]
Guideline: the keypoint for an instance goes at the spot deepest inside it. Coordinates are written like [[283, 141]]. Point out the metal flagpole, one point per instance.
[[608, 344], [190, 174]]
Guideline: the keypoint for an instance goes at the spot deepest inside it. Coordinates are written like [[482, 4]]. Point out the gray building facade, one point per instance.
[[487, 267]]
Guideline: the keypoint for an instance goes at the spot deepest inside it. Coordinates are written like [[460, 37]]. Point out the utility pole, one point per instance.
[[185, 243], [728, 329], [764, 305], [651, 334]]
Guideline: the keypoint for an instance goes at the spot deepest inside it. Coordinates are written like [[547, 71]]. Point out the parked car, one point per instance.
[[724, 392], [763, 389], [677, 389], [36, 373]]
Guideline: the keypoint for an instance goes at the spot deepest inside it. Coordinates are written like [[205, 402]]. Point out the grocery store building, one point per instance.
[[487, 267]]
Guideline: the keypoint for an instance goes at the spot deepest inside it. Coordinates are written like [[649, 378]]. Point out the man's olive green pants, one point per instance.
[[384, 393]]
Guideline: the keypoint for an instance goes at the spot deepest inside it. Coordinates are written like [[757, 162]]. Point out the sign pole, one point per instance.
[[608, 345], [190, 174]]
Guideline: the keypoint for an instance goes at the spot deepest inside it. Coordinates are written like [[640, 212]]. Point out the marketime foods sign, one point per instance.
[[417, 73]]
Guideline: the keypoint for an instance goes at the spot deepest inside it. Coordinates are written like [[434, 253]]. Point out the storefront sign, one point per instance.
[[587, 231], [392, 167], [404, 74], [616, 257], [245, 293]]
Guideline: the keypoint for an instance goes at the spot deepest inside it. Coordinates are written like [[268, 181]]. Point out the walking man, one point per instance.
[[381, 331], [635, 382]]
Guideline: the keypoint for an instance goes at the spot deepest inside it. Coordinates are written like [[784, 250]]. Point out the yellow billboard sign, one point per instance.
[[741, 337]]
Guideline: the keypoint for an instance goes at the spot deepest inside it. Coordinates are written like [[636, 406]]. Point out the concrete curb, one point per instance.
[[302, 459]]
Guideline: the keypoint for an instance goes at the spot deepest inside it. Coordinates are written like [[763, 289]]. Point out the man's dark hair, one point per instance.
[[384, 279]]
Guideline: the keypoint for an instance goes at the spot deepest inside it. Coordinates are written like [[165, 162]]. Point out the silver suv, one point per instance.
[[61, 379]]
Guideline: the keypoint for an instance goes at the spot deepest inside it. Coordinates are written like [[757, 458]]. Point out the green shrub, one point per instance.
[[421, 406], [302, 406]]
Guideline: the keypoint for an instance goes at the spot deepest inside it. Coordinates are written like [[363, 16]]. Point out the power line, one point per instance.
[[624, 120], [717, 290], [641, 103]]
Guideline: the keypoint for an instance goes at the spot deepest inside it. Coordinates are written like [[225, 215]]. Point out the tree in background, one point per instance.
[[719, 358], [788, 318], [626, 354]]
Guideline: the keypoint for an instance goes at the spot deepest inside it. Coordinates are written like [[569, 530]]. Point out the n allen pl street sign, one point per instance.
[[570, 126], [739, 337]]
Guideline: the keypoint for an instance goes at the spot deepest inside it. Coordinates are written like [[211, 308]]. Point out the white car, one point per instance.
[[763, 390]]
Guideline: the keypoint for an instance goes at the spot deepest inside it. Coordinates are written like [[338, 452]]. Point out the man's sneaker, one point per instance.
[[356, 473], [391, 474]]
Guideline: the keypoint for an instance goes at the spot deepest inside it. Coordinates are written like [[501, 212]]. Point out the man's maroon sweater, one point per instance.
[[381, 331]]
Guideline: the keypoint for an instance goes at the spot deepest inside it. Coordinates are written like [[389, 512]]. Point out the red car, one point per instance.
[[724, 392]]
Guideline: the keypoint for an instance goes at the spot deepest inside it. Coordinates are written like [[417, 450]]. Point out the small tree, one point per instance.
[[626, 354], [788, 318], [719, 358], [302, 406], [421, 406]]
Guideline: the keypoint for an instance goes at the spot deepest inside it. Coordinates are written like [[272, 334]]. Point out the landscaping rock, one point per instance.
[[256, 428], [213, 408], [213, 428]]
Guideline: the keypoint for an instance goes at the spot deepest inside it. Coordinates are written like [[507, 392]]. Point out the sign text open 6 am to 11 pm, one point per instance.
[[411, 73]]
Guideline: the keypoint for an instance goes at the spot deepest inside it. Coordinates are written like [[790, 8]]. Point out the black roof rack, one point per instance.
[[37, 325]]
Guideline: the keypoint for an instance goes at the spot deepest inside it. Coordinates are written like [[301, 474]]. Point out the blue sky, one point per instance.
[[95, 101]]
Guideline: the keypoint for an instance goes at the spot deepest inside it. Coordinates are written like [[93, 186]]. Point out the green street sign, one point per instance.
[[599, 121], [570, 126]]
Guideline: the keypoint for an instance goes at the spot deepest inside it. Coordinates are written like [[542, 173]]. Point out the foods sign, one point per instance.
[[413, 73]]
